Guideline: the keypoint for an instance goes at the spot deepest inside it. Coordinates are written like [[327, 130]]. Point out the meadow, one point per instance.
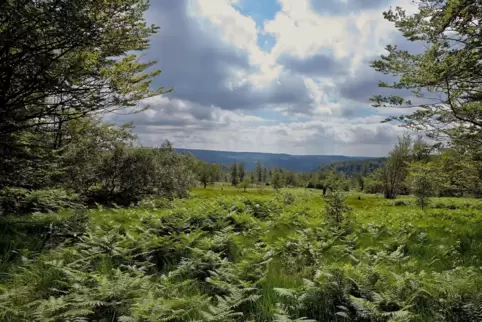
[[260, 255]]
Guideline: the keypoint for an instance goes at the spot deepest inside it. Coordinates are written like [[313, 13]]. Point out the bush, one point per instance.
[[50, 200], [400, 203], [286, 198], [336, 208], [154, 203], [128, 175], [11, 200], [19, 201]]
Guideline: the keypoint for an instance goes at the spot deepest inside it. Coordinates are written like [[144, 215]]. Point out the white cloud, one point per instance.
[[307, 94]]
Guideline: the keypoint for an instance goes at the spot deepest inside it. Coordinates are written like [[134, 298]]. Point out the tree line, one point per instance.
[[65, 64]]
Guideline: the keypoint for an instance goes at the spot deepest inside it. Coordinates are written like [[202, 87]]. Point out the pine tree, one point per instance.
[[259, 172], [265, 175], [234, 174], [241, 172]]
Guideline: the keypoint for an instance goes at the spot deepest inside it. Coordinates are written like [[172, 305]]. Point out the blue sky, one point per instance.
[[285, 76], [260, 11]]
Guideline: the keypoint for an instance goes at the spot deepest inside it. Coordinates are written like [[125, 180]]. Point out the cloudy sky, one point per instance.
[[283, 76]]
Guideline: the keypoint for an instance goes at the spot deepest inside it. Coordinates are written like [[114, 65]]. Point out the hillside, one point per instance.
[[352, 167], [269, 160]]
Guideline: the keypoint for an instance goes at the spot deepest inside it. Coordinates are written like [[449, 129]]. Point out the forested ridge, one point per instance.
[[94, 226]]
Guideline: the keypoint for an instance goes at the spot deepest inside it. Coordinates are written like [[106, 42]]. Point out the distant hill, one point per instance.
[[352, 167], [268, 160]]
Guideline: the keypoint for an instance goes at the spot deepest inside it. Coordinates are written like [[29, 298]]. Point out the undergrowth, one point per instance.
[[281, 257]]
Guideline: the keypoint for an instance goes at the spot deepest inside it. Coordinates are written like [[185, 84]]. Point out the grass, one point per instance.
[[230, 255]]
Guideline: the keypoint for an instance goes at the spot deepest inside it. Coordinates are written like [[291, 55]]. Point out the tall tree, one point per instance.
[[61, 61], [241, 172], [234, 174], [395, 170], [276, 179], [259, 172], [447, 78], [207, 174], [265, 175], [423, 178]]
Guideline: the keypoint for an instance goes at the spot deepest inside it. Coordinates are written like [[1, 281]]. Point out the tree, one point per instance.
[[207, 174], [234, 174], [88, 142], [395, 170], [217, 172], [252, 177], [360, 181], [241, 172], [291, 178], [265, 175], [61, 60], [276, 180], [245, 183], [460, 171], [449, 67], [259, 172], [336, 208], [420, 150], [423, 177]]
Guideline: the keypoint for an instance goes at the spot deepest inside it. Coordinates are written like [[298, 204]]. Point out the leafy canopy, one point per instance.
[[445, 80]]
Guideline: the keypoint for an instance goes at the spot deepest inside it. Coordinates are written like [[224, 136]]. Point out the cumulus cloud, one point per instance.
[[200, 62], [307, 94], [347, 6]]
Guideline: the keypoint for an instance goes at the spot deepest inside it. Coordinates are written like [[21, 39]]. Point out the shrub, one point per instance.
[[400, 203], [335, 208], [50, 200], [11, 200], [128, 175], [286, 198], [154, 203], [18, 201]]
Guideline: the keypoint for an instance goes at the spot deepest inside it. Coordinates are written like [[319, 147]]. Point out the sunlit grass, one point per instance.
[[260, 238]]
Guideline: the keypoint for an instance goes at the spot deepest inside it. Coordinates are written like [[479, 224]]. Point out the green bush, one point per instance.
[[18, 201], [49, 200], [11, 200]]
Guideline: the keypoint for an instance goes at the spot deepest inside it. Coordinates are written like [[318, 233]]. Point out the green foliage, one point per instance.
[[449, 65], [266, 258], [246, 183], [234, 174], [395, 171], [424, 178], [276, 180], [82, 39], [241, 172], [335, 208], [63, 62], [11, 200], [50, 200], [18, 201], [353, 167], [208, 173]]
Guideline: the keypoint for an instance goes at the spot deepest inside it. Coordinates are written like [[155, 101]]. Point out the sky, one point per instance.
[[279, 76]]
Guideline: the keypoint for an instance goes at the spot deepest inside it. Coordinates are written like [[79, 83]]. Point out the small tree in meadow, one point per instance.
[[336, 208], [423, 178], [276, 180], [234, 174], [241, 172], [246, 182]]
